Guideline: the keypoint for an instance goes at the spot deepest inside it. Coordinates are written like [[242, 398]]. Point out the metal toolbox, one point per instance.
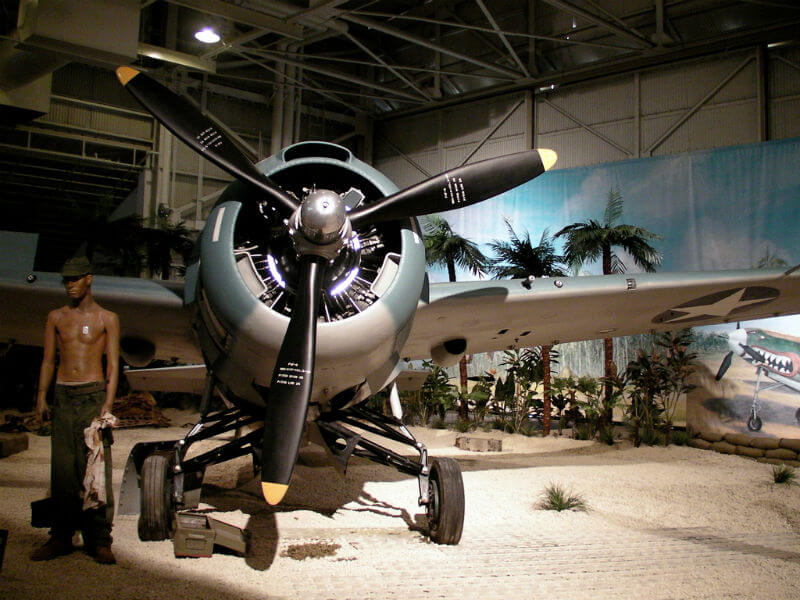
[[193, 537]]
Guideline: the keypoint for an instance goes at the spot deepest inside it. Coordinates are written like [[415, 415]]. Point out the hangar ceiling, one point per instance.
[[384, 57], [349, 60]]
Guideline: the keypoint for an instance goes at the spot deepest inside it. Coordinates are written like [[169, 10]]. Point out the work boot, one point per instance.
[[54, 548], [104, 556]]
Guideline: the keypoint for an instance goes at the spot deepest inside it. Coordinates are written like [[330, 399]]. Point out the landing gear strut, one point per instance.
[[441, 487], [159, 480]]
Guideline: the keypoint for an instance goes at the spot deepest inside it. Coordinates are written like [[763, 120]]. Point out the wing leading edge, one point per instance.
[[499, 314]]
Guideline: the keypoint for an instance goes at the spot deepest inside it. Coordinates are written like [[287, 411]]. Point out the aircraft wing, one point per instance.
[[149, 311], [499, 314]]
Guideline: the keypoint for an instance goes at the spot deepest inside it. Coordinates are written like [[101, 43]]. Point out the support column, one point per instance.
[[762, 123], [276, 135]]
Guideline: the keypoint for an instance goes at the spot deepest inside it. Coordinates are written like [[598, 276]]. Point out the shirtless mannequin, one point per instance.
[[81, 332]]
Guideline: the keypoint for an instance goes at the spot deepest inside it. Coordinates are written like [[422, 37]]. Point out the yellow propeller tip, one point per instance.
[[273, 492], [549, 158], [125, 74]]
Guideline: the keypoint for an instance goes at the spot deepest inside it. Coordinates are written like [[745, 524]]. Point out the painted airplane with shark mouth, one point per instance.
[[775, 356]]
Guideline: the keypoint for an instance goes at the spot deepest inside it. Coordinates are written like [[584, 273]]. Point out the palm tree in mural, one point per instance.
[[592, 240], [444, 247], [519, 258]]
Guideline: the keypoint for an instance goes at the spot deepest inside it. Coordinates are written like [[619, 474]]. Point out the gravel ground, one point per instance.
[[662, 523]]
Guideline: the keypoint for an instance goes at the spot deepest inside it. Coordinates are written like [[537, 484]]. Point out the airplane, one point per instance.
[[776, 356], [307, 293]]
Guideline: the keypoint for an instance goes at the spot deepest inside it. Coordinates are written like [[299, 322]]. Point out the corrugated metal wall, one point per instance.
[[675, 108], [410, 150], [784, 93], [687, 106]]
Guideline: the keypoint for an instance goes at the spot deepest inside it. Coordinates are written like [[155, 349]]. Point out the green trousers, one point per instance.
[[74, 407]]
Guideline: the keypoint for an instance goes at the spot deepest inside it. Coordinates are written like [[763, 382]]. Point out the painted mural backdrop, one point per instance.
[[728, 208]]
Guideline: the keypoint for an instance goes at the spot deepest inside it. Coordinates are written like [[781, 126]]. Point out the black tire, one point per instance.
[[156, 515], [446, 505], [754, 423]]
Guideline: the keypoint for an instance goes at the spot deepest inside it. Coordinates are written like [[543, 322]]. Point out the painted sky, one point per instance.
[[717, 209]]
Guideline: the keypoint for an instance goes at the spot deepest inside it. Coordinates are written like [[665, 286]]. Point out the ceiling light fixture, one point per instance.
[[207, 36]]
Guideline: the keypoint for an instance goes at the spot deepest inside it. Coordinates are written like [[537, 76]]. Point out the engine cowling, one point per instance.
[[243, 283]]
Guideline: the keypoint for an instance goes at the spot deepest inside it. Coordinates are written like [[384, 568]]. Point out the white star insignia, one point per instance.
[[720, 308]]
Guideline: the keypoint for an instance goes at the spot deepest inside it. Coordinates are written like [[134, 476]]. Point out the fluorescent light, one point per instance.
[[207, 35]]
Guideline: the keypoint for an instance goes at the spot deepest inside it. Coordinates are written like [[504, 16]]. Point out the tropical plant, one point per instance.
[[125, 246], [479, 398], [676, 366], [523, 365], [606, 435], [163, 240], [591, 240], [435, 396], [558, 498], [595, 404], [115, 247], [656, 382], [783, 474], [444, 247], [679, 437], [519, 258], [644, 383]]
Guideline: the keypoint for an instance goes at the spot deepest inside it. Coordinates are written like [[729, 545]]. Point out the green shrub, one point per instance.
[[556, 497], [606, 435], [652, 437], [583, 431], [784, 474], [438, 424], [462, 426], [679, 438]]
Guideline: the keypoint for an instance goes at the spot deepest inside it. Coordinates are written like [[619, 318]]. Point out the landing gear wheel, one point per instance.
[[446, 505], [754, 423], [156, 517]]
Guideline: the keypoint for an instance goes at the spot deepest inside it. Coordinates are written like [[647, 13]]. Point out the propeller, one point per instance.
[[723, 368], [292, 379], [458, 188], [198, 131], [319, 227]]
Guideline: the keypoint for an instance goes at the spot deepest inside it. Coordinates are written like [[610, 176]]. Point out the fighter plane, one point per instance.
[[776, 356], [308, 292]]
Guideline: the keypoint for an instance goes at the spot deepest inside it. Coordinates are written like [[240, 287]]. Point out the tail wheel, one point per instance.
[[754, 423], [156, 517], [446, 501]]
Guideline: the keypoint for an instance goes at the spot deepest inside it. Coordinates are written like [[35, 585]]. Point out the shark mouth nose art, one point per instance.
[[782, 363]]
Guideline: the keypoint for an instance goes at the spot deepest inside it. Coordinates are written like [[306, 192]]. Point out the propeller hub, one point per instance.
[[322, 216]]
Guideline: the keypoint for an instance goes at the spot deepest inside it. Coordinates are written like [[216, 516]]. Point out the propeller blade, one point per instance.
[[723, 368], [752, 353], [198, 131], [460, 187], [290, 389]]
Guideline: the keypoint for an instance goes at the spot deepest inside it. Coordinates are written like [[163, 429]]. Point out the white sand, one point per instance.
[[639, 538]]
